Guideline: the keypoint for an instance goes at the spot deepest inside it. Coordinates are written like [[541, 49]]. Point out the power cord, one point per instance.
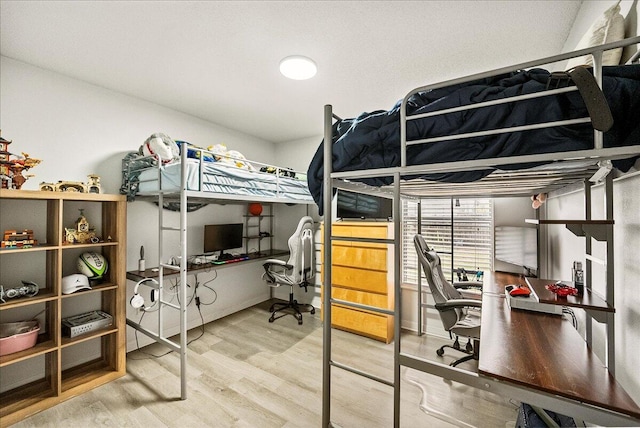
[[569, 311], [194, 297]]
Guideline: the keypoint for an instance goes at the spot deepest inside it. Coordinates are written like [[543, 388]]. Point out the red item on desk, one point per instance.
[[562, 290]]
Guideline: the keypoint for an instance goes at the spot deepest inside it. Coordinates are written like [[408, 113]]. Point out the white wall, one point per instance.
[[77, 128]]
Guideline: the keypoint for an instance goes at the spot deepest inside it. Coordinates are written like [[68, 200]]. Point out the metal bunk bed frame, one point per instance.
[[528, 184], [184, 196]]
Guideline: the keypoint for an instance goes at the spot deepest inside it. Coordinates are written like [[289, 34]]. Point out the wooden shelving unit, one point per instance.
[[52, 371]]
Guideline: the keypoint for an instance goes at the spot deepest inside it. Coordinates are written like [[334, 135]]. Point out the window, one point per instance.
[[460, 230]]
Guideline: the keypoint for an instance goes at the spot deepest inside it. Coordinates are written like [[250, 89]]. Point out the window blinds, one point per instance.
[[460, 230]]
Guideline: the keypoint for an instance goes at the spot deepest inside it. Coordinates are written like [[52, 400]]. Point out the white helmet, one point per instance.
[[75, 282]]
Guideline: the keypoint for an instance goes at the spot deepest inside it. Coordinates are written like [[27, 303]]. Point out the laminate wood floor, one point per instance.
[[247, 372]]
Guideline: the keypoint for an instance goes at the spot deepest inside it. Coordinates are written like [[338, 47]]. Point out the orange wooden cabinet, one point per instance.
[[362, 272]]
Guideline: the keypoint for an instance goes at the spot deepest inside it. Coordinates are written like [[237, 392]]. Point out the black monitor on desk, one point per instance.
[[221, 237]]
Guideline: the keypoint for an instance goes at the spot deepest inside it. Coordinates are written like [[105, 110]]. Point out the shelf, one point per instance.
[[588, 300], [46, 264], [68, 341], [600, 230], [41, 297], [39, 247], [23, 397], [44, 345]]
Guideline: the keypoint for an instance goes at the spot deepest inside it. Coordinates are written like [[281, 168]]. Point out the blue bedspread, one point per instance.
[[372, 140]]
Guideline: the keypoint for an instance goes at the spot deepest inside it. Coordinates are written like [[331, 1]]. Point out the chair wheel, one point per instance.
[[440, 352], [299, 322], [313, 311], [271, 319]]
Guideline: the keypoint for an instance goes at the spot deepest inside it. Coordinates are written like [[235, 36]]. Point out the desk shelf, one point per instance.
[[601, 230], [136, 275], [588, 300]]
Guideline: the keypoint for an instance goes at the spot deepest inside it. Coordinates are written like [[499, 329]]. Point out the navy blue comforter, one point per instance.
[[372, 140]]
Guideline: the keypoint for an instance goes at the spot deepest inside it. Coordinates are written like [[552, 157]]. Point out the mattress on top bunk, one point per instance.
[[372, 140], [225, 179]]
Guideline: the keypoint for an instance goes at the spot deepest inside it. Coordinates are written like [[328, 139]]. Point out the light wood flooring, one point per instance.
[[247, 372]]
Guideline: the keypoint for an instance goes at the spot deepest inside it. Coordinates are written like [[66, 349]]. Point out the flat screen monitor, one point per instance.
[[221, 237], [352, 205]]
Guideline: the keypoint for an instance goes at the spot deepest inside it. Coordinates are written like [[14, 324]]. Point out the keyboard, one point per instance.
[[234, 260]]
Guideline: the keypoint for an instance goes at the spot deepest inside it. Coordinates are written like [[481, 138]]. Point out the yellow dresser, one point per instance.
[[362, 273]]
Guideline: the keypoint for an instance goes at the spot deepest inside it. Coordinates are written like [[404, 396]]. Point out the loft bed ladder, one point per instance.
[[163, 229]]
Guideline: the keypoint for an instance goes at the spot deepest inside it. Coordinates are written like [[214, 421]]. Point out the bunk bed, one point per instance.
[[187, 180], [209, 175], [406, 162]]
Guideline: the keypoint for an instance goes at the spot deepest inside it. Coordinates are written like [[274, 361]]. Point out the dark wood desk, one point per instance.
[[543, 352], [136, 275]]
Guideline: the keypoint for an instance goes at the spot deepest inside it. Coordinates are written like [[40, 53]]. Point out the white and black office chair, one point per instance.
[[299, 270], [453, 308]]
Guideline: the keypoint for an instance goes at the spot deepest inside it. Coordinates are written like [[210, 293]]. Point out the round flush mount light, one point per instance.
[[298, 67]]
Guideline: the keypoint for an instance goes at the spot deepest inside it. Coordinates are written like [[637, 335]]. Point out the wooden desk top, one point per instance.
[[544, 352]]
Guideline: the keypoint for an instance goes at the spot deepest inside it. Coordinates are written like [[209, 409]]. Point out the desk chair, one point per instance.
[[298, 270], [452, 307]]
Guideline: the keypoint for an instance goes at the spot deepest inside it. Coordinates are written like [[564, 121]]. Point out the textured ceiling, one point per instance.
[[219, 60]]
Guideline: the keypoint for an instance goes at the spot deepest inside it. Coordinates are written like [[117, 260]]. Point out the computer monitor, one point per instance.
[[353, 205], [221, 237]]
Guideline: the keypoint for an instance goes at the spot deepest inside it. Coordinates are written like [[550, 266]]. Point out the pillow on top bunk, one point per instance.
[[606, 29]]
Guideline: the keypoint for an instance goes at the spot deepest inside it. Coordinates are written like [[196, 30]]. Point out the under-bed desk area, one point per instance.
[[545, 353], [409, 153]]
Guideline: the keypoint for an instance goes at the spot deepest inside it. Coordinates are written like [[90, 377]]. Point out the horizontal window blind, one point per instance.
[[460, 230]]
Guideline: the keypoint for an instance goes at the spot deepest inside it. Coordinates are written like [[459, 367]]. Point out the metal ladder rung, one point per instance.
[[177, 229], [168, 266], [361, 306], [172, 305], [361, 373], [355, 239]]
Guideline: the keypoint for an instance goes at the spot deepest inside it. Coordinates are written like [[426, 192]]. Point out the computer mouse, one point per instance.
[[519, 291]]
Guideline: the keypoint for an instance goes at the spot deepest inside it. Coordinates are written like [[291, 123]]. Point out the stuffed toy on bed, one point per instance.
[[231, 157], [160, 146]]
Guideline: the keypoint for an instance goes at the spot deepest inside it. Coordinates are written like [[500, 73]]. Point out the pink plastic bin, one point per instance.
[[18, 336]]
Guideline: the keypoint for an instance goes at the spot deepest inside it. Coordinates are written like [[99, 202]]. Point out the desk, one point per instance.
[[544, 352], [136, 275]]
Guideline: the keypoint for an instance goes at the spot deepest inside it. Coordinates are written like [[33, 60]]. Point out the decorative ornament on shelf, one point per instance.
[[91, 186], [255, 208], [12, 166], [82, 233]]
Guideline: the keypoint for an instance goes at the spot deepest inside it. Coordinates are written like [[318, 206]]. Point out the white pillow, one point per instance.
[[606, 29]]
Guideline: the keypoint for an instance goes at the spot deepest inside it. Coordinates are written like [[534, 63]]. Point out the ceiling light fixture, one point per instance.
[[298, 67]]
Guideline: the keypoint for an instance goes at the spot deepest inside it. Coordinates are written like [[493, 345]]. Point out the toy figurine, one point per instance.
[[82, 233], [11, 169], [91, 186]]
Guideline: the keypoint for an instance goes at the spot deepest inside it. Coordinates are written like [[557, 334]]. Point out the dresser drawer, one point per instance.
[[363, 257], [360, 279], [379, 327], [372, 299]]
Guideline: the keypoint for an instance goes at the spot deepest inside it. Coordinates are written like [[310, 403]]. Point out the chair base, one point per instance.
[[470, 350], [296, 309]]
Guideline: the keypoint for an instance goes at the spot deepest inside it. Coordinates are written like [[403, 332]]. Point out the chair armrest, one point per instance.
[[467, 284], [458, 303], [276, 263]]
